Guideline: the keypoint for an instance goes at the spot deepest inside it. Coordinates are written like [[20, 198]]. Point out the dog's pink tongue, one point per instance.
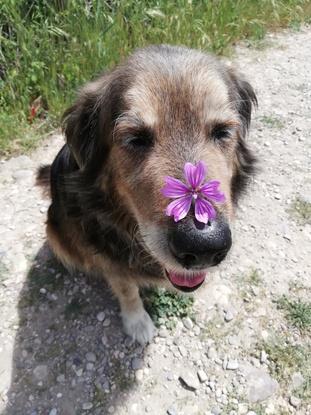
[[186, 280]]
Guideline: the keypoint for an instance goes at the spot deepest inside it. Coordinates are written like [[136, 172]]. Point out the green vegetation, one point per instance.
[[285, 359], [165, 305], [253, 278], [48, 48], [298, 313], [272, 122], [250, 284], [301, 210]]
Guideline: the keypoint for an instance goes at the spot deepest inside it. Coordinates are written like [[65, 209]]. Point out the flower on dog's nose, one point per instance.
[[193, 191]]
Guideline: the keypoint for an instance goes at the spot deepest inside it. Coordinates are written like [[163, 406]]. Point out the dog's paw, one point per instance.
[[139, 326]]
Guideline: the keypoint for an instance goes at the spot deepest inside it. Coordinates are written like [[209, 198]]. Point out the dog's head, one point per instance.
[[143, 121]]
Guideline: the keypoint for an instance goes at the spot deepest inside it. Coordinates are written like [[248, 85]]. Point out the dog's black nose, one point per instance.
[[196, 245]]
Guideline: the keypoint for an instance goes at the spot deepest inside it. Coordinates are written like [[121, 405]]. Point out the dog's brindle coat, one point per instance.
[[127, 130]]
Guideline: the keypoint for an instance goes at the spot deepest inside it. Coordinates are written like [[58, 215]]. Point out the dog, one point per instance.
[[127, 130]]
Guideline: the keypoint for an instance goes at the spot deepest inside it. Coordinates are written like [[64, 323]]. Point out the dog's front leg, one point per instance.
[[136, 321]]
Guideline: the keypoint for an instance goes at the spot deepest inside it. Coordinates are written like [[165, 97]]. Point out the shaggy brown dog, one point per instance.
[[128, 129]]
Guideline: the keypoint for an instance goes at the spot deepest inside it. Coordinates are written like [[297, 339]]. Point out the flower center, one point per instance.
[[195, 194]]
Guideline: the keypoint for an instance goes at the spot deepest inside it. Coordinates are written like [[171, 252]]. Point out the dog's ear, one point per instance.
[[243, 97], [87, 122]]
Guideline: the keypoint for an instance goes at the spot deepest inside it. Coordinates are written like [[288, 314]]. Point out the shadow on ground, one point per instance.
[[65, 358]]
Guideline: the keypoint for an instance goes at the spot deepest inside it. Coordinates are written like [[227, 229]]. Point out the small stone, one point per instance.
[[196, 330], [202, 376], [242, 408], [188, 323], [190, 381], [89, 366], [20, 263], [232, 365], [295, 402], [216, 411], [53, 411], [251, 413], [43, 291], [170, 376], [90, 357], [137, 363], [87, 405], [182, 351], [260, 385], [105, 340], [163, 333], [263, 357], [171, 411], [233, 340], [60, 378], [139, 374], [212, 353], [229, 315], [107, 322], [79, 372], [297, 380], [270, 409], [111, 409], [40, 372], [218, 393], [101, 316]]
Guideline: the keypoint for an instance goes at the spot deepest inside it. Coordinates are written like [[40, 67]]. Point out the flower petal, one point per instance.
[[195, 174], [174, 188], [210, 190], [179, 207], [204, 210]]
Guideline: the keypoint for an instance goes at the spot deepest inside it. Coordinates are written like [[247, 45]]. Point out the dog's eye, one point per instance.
[[141, 140], [220, 133]]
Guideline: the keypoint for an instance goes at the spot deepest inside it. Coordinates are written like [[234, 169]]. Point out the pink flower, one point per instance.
[[193, 191]]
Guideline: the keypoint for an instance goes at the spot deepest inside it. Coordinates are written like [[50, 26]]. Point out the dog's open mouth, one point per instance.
[[186, 281]]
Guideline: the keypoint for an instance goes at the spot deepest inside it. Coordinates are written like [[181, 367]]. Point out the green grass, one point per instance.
[[285, 359], [272, 122], [165, 305], [48, 48], [298, 313], [254, 278], [301, 210]]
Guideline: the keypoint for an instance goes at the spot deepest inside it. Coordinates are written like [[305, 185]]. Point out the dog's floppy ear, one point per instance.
[[243, 97], [83, 123]]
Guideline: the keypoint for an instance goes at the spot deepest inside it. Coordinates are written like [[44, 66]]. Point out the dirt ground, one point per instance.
[[62, 348]]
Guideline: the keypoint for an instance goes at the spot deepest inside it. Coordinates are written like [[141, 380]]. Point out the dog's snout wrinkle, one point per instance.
[[198, 247]]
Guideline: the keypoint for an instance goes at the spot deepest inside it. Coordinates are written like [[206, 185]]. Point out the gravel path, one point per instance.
[[62, 348]]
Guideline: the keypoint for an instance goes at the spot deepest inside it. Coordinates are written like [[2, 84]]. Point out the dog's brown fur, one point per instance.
[[128, 129]]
